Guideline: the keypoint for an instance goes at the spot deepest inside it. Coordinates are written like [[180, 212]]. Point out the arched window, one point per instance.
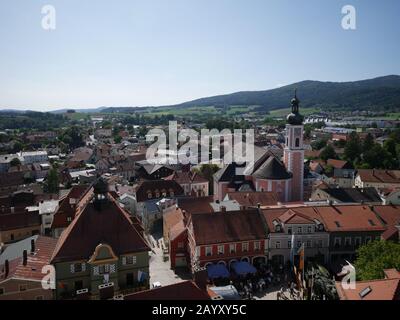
[[297, 144]]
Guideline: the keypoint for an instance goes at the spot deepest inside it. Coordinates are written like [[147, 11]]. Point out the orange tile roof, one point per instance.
[[44, 247], [252, 199]]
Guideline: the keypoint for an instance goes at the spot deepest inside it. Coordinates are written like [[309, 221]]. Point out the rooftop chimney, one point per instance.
[[25, 257], [32, 245]]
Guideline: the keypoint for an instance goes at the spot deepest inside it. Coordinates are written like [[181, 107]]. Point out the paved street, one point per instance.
[[159, 270]]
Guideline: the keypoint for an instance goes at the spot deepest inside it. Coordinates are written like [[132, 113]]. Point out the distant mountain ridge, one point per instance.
[[383, 92]]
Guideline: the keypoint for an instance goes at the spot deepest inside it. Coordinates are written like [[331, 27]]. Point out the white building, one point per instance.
[[30, 157]]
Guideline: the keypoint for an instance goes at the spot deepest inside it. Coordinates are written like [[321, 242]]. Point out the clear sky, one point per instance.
[[136, 53]]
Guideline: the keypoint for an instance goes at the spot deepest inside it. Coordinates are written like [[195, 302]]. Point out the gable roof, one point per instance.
[[382, 289], [272, 169], [196, 204], [108, 225], [339, 164], [232, 226], [379, 176], [390, 216], [349, 218], [354, 194], [44, 247], [252, 199], [185, 290], [17, 220], [152, 185], [66, 209]]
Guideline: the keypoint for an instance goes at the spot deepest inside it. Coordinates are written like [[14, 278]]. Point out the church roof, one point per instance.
[[272, 169]]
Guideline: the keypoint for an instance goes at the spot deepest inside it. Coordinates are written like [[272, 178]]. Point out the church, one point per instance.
[[268, 172]]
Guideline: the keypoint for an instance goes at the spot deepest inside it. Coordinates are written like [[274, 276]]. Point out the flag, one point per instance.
[[301, 253], [292, 250]]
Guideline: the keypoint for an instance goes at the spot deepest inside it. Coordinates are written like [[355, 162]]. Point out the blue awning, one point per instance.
[[217, 271], [142, 276], [243, 267]]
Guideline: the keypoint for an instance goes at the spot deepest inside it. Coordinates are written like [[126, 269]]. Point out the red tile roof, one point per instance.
[[66, 209], [338, 164], [232, 226], [252, 199], [109, 225], [44, 247], [379, 176], [390, 216], [186, 290], [196, 204], [383, 289], [10, 221], [349, 218]]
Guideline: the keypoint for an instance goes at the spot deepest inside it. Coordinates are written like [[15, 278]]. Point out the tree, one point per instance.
[[52, 181], [117, 139], [72, 137], [376, 256], [352, 149], [368, 142], [319, 144], [390, 146], [378, 158], [328, 153], [15, 162], [323, 284]]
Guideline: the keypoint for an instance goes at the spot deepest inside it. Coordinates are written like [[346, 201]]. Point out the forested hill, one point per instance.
[[379, 93]]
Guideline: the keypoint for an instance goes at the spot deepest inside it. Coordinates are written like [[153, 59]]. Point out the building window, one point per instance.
[[309, 245], [299, 230], [220, 250], [309, 230], [319, 243], [180, 245], [232, 248], [2, 291], [245, 246], [357, 241], [104, 268], [256, 245], [289, 244], [337, 242], [130, 260], [297, 143], [22, 287], [289, 230], [347, 242], [298, 244], [208, 251], [367, 239], [277, 245]]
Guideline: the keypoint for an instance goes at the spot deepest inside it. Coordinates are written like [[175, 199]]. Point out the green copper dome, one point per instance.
[[295, 118]]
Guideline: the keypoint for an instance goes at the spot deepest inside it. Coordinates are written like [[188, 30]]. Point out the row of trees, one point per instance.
[[364, 153]]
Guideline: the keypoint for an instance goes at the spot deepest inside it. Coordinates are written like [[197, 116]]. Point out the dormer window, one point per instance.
[[278, 228]]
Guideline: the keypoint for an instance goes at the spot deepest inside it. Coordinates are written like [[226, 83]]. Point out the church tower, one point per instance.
[[293, 155]]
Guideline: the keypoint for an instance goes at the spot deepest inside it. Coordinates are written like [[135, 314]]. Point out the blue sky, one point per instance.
[[136, 53]]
